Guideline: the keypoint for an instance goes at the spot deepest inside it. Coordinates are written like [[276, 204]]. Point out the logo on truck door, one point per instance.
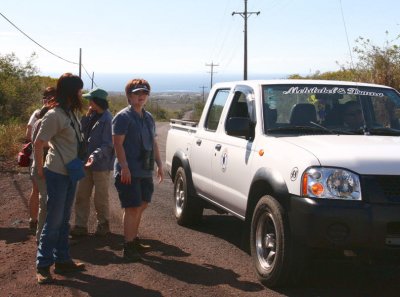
[[294, 174], [224, 160]]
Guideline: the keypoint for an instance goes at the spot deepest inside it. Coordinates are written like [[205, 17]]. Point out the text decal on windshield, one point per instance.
[[334, 90]]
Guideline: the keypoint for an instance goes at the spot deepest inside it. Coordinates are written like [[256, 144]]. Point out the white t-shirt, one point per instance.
[[32, 120]]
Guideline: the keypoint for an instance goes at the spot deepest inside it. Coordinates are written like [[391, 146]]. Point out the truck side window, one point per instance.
[[238, 107], [215, 111]]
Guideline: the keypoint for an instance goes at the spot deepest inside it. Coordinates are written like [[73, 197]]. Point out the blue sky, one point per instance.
[[181, 36]]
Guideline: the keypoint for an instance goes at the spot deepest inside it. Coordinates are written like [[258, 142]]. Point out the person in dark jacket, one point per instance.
[[96, 127]]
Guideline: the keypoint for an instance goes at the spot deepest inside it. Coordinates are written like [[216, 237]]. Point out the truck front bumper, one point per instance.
[[345, 225]]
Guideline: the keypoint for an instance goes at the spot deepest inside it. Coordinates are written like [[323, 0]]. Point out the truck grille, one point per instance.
[[381, 188], [391, 187]]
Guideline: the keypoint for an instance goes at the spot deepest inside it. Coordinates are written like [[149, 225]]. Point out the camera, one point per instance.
[[148, 160]]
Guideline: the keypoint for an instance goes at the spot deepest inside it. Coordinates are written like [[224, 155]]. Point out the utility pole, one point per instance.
[[245, 16], [212, 72], [203, 87], [80, 62], [92, 80]]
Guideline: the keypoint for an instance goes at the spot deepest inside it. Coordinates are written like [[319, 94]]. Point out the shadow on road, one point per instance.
[[226, 227], [98, 250], [99, 287], [14, 235], [205, 275], [108, 249], [160, 257]]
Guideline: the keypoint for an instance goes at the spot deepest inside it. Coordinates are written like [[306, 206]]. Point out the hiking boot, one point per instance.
[[140, 246], [43, 275], [32, 226], [68, 267], [79, 231], [102, 229], [130, 252]]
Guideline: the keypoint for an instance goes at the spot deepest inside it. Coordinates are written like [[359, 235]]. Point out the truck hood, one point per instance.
[[363, 154]]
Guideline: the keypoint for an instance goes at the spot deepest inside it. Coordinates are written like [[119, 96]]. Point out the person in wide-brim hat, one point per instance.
[[96, 127]]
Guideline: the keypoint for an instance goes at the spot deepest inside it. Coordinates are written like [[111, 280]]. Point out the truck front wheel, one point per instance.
[[188, 209], [271, 248]]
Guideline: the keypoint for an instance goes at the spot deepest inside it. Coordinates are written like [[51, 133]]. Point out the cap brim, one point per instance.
[[87, 96], [140, 89]]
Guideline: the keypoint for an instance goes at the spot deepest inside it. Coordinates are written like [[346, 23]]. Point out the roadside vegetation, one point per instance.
[[21, 89], [371, 63]]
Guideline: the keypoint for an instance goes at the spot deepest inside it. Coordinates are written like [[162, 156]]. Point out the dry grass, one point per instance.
[[11, 139]]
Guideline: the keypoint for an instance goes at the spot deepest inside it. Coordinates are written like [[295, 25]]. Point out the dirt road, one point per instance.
[[205, 261]]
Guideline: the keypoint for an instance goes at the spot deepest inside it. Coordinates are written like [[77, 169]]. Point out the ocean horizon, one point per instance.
[[162, 83]]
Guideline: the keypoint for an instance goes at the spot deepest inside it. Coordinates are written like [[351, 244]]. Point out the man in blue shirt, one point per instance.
[[136, 147]]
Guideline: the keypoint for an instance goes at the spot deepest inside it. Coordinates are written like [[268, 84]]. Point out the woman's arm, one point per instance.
[[157, 158], [118, 141], [28, 133]]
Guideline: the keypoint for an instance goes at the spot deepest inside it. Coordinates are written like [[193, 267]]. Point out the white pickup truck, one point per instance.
[[308, 166]]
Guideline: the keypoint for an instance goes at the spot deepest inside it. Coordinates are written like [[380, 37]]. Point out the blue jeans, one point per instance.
[[53, 244]]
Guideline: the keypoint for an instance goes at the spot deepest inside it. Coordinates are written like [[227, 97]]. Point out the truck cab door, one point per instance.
[[232, 155], [203, 147]]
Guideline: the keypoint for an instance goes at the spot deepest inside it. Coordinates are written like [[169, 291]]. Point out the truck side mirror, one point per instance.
[[238, 126]]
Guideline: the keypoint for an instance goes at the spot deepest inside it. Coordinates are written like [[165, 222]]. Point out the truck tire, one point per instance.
[[188, 208], [271, 246]]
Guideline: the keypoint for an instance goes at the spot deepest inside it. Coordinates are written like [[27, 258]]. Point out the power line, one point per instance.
[[347, 36], [50, 52], [26, 35], [90, 76]]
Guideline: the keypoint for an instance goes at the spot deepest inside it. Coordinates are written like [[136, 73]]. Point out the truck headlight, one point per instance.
[[331, 183]]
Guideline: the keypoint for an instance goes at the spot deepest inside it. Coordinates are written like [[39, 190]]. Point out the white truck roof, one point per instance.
[[256, 83]]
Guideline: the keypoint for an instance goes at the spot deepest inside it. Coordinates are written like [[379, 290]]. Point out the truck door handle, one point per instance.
[[218, 147], [198, 141]]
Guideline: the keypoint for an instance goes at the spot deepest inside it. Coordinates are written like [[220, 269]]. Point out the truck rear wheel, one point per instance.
[[188, 208], [271, 246]]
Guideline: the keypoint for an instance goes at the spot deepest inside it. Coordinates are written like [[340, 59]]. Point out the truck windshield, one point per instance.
[[310, 109]]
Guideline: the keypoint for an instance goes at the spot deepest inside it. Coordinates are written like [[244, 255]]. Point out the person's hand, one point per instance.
[[89, 162], [125, 175], [90, 111], [160, 174]]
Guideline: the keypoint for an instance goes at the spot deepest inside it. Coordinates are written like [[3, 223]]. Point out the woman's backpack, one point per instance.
[[23, 157]]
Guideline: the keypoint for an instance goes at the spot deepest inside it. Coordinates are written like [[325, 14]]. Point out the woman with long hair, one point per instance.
[[60, 128]]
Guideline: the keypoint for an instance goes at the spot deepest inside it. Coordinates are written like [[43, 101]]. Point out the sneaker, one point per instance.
[[32, 226], [140, 246], [43, 275], [102, 229], [68, 267], [130, 252], [79, 231]]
